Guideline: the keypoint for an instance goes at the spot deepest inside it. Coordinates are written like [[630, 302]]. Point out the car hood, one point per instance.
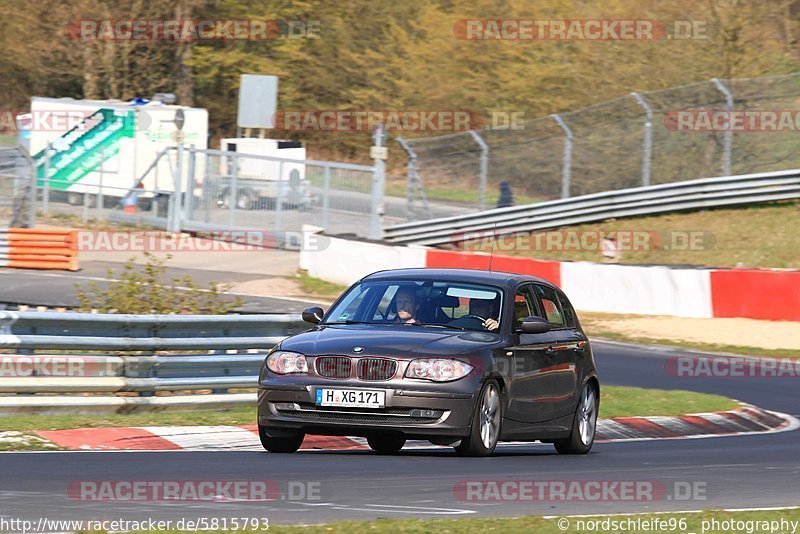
[[395, 341]]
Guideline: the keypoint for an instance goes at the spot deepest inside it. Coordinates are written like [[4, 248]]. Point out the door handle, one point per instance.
[[550, 351], [580, 346]]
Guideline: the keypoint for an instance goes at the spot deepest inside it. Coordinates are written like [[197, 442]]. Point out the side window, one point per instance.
[[569, 312], [523, 304], [551, 306]]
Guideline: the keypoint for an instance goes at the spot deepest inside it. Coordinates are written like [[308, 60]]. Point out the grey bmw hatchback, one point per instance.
[[461, 358]]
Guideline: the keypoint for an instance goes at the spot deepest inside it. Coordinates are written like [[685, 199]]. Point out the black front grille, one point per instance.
[[376, 368], [335, 415], [333, 366]]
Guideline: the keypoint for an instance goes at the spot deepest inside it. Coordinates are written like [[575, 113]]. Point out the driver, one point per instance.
[[483, 309], [406, 304]]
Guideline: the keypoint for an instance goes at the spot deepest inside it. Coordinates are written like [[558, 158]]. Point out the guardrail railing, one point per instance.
[[677, 196], [98, 355]]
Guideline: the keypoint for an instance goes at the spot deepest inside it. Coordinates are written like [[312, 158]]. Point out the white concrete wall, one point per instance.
[[632, 289], [342, 261]]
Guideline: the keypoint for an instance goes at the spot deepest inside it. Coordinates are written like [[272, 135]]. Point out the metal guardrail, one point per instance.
[[677, 196], [26, 335]]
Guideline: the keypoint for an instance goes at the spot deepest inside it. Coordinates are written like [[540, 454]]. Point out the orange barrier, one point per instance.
[[39, 248]]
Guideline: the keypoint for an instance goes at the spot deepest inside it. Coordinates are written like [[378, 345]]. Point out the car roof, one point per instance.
[[459, 275]]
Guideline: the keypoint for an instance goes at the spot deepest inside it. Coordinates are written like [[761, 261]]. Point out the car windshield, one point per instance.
[[427, 303]]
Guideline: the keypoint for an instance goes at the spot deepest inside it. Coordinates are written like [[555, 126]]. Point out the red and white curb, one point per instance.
[[744, 420]]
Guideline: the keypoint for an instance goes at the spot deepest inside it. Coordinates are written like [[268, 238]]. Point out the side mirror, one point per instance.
[[534, 325], [313, 315]]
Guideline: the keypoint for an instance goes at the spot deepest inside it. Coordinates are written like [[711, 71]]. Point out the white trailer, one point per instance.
[[86, 143], [268, 169]]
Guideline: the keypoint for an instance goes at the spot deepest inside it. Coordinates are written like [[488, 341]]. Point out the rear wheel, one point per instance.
[[485, 430], [288, 444], [386, 444], [584, 425]]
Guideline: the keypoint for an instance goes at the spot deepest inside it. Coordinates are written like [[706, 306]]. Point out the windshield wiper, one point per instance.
[[439, 325], [348, 322]]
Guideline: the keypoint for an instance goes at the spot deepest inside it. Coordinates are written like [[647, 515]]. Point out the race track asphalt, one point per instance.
[[726, 472]]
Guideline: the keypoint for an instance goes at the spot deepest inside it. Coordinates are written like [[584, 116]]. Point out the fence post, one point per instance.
[[177, 194], [414, 183], [728, 135], [647, 151], [190, 183], [99, 205], [46, 191], [566, 164], [378, 184], [233, 190], [326, 195], [279, 205], [484, 178], [209, 193]]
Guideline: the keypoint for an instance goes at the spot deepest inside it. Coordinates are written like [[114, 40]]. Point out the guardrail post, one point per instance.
[[484, 162], [647, 150], [566, 164], [728, 135], [378, 185]]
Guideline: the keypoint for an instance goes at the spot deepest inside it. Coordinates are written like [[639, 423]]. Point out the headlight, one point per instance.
[[438, 370], [284, 363]]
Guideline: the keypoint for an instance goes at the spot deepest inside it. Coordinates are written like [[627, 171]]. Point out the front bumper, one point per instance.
[[415, 413]]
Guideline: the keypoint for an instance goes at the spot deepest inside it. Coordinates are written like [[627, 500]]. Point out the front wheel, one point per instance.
[[290, 444], [584, 425], [485, 429]]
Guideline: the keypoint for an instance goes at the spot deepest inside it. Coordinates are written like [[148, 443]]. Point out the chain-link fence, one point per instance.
[[639, 139], [236, 190], [16, 203], [218, 191]]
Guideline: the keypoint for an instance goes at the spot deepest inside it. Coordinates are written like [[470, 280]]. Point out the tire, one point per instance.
[[584, 424], [386, 444], [485, 429], [290, 444]]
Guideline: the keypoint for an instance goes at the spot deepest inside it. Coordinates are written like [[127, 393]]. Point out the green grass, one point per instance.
[[694, 522], [592, 322], [317, 287], [458, 195], [617, 401], [237, 416], [756, 236]]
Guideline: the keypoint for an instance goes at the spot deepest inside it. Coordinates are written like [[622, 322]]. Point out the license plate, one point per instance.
[[350, 398]]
